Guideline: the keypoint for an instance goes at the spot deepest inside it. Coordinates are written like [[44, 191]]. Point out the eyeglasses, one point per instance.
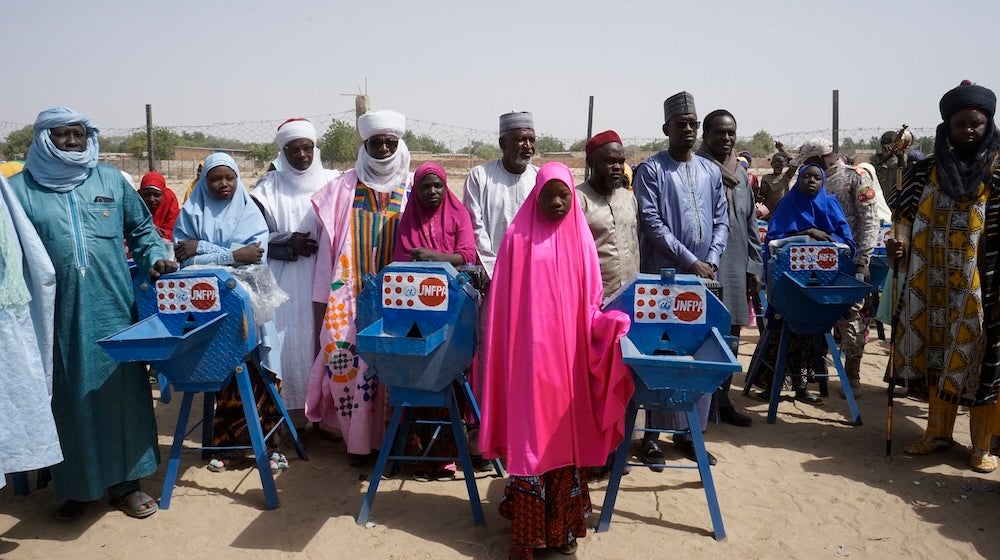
[[390, 143], [681, 125]]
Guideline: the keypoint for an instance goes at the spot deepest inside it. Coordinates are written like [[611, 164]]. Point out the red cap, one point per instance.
[[598, 140]]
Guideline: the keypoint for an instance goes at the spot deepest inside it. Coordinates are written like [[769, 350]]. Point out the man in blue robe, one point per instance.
[[84, 212], [683, 224]]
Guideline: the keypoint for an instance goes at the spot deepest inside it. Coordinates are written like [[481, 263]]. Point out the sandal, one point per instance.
[[808, 398], [71, 511], [982, 461], [224, 460], [568, 549], [136, 503], [927, 445], [278, 462]]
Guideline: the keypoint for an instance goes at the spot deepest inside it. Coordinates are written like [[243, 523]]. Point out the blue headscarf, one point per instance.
[[798, 211], [53, 168], [224, 223]]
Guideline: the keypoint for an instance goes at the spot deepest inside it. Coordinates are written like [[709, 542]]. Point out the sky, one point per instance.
[[772, 64]]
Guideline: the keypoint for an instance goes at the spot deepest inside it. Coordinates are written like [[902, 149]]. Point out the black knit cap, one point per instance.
[[968, 95]]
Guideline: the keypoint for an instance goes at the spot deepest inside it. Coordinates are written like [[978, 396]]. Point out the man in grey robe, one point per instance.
[[741, 265]]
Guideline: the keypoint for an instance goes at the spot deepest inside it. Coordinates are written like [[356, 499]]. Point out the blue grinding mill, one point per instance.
[[197, 330], [810, 286], [417, 333], [678, 354]]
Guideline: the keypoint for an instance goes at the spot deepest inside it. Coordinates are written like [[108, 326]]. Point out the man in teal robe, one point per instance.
[[84, 212]]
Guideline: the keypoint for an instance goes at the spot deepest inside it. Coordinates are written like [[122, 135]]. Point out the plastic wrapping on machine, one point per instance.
[[259, 282]]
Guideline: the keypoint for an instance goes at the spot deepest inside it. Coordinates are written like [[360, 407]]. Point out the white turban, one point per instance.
[[295, 129], [298, 180], [381, 122]]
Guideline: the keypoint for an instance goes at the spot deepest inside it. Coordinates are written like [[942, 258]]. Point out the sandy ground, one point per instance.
[[810, 486]]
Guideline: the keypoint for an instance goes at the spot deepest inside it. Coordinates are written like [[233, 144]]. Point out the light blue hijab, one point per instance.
[[53, 168], [229, 223]]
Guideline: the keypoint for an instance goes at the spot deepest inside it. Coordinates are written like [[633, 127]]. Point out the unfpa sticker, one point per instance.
[[813, 257], [188, 295], [678, 303], [411, 290]]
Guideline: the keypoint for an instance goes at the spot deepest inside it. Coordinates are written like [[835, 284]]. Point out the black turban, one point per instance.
[[967, 96]]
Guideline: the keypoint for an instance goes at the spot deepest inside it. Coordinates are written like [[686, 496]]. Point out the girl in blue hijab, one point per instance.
[[805, 210], [808, 210], [220, 224]]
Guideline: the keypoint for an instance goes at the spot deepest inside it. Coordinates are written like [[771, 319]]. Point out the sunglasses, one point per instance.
[[681, 125], [387, 142]]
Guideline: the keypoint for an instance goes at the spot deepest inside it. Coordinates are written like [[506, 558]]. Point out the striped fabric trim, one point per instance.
[[374, 220]]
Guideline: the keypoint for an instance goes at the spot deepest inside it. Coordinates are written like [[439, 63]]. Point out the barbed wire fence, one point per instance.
[[459, 148]]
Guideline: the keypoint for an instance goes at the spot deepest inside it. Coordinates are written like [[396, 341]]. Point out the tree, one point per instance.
[[481, 150], [339, 143], [547, 143], [760, 145], [17, 142], [578, 146], [423, 143], [263, 152], [164, 142]]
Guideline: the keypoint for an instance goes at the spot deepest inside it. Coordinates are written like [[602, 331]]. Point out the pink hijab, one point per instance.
[[447, 228], [555, 387]]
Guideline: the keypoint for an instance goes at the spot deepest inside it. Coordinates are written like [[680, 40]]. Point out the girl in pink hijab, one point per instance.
[[437, 227], [555, 387]]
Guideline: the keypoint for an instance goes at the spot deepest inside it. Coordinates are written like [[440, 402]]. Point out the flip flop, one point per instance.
[[70, 511], [568, 549], [278, 462], [224, 460], [136, 503]]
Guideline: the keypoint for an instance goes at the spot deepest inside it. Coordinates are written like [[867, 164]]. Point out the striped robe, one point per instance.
[[358, 237]]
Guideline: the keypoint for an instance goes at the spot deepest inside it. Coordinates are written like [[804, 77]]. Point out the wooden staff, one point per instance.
[[899, 145], [894, 324]]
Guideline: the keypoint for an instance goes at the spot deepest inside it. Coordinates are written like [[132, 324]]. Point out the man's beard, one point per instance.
[[522, 160]]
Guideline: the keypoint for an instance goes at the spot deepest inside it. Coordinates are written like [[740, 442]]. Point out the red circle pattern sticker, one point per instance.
[[680, 303], [812, 257], [190, 295], [415, 291]]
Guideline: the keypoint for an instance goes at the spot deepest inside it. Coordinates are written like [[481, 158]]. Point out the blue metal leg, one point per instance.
[[401, 439], [164, 384], [704, 469], [383, 457], [779, 374], [276, 398], [497, 464], [464, 457], [256, 436], [20, 483], [618, 468], [173, 463], [845, 383]]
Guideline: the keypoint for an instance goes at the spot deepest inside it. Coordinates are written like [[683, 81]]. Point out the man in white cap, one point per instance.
[[856, 194], [285, 198], [683, 224], [495, 190], [358, 214]]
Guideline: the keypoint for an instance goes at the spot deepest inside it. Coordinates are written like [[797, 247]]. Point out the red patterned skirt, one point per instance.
[[549, 510]]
